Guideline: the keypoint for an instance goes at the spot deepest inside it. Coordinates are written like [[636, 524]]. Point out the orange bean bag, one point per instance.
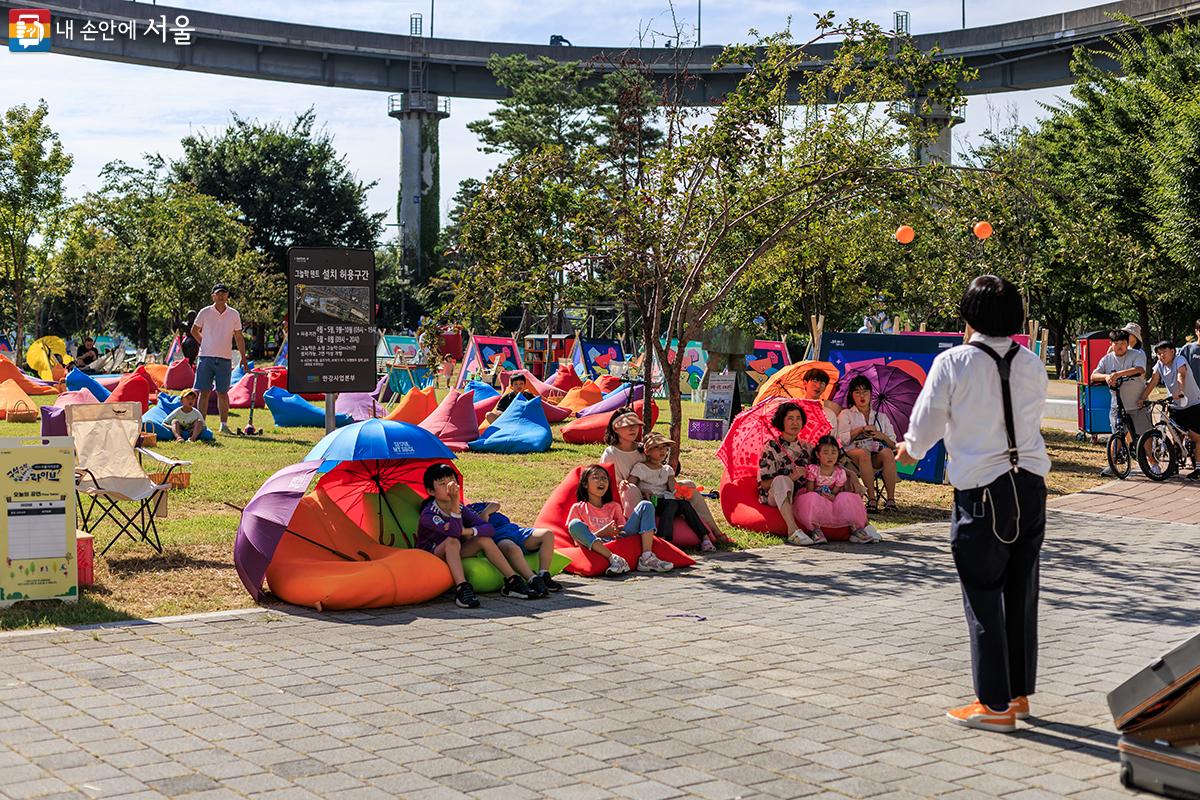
[[739, 504], [590, 429], [157, 373], [415, 406], [586, 562], [180, 375], [608, 383], [307, 575], [14, 397], [136, 387], [9, 372], [581, 397]]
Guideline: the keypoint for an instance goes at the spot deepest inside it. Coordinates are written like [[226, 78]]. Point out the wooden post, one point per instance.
[[1045, 345], [923, 327]]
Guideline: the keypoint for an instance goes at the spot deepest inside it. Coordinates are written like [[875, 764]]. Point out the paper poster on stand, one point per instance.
[[718, 402], [37, 527]]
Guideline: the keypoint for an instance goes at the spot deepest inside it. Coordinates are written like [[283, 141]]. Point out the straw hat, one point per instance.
[[1134, 329]]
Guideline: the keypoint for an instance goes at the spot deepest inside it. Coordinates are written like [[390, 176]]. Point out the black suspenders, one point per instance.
[[1004, 367]]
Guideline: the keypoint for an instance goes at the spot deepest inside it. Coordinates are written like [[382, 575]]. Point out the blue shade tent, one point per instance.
[[522, 428]]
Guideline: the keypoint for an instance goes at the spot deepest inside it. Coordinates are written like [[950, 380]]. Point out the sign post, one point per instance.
[[331, 323], [37, 526]]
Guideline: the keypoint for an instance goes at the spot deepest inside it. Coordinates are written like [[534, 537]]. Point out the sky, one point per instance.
[[106, 110]]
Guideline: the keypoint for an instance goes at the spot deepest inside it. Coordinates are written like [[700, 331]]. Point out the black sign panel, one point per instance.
[[331, 320]]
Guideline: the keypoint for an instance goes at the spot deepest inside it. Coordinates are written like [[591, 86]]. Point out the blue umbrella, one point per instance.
[[377, 442]]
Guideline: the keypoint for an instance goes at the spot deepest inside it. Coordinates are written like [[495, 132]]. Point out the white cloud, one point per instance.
[[106, 110]]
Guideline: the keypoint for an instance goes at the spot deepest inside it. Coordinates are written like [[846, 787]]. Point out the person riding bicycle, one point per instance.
[[1172, 371], [1123, 361]]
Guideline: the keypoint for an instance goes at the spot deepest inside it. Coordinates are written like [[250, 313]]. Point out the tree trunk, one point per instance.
[[19, 308], [1143, 312], [143, 324]]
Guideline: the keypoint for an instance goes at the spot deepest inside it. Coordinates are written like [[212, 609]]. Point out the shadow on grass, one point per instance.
[[169, 560]]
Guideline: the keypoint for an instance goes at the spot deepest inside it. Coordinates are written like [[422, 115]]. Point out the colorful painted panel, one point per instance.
[[485, 351], [591, 357], [767, 359]]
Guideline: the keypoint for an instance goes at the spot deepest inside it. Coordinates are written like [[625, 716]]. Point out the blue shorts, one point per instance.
[[210, 370], [505, 528]]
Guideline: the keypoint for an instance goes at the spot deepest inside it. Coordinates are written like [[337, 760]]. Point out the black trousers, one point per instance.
[[666, 512], [1000, 580]]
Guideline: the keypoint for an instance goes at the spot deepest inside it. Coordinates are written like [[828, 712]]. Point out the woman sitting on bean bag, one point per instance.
[[781, 469]]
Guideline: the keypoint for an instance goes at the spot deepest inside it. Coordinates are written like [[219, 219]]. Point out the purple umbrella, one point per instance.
[[623, 397], [265, 519], [894, 392]]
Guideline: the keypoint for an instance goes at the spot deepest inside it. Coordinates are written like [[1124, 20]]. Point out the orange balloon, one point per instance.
[[983, 229], [905, 234]]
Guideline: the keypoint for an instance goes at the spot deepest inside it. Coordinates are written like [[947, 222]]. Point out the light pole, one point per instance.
[[964, 9], [698, 2]]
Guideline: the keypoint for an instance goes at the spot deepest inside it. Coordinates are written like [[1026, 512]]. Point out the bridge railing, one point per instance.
[[418, 101]]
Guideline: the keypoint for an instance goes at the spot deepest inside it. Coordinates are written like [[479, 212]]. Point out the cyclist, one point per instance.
[[1120, 362], [1172, 371]]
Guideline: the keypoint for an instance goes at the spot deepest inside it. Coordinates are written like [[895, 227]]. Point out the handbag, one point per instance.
[[22, 411]]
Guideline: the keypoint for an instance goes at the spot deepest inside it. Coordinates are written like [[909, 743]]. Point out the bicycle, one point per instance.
[[1166, 441], [1120, 460]]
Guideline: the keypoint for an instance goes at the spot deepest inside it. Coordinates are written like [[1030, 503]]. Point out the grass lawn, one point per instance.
[[195, 573]]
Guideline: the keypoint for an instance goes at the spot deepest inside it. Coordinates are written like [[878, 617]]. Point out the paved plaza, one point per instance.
[[781, 672]]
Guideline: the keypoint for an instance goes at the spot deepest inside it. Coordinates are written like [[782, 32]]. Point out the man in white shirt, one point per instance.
[[1123, 361], [217, 327], [1173, 372], [998, 465]]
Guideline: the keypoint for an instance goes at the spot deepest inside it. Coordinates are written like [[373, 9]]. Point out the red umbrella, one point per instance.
[[752, 428], [349, 483]]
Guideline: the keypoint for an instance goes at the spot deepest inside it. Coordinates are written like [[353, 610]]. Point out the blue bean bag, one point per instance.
[[77, 379], [293, 411], [239, 373], [155, 417], [481, 389], [523, 428]]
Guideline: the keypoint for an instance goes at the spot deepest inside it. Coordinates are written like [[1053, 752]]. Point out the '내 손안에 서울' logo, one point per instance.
[[28, 30]]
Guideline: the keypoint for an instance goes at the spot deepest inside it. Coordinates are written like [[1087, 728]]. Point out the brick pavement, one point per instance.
[[781, 672], [1173, 500]]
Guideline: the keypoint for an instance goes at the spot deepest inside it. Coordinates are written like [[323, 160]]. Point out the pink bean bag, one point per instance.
[[739, 504], [535, 385], [453, 421], [180, 375]]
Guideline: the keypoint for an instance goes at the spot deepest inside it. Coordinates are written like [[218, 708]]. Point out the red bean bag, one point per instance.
[[608, 383], [556, 413], [180, 375], [590, 429], [136, 387], [581, 397], [252, 382], [739, 504], [586, 562], [482, 407], [453, 421], [565, 379]]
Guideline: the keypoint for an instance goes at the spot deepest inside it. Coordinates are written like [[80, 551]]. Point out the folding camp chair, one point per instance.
[[109, 473]]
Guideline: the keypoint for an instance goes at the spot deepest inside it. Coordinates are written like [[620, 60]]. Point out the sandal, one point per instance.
[[872, 506], [890, 505]]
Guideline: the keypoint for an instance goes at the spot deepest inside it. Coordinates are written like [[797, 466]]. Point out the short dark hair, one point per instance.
[[860, 382], [827, 440], [520, 376], [783, 410], [992, 305], [581, 493], [1119, 335], [816, 374], [437, 472], [1164, 345]]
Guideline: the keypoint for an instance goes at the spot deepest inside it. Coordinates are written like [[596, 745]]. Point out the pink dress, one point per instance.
[[819, 510]]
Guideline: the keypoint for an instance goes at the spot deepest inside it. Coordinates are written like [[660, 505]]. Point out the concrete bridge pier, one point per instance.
[[418, 201], [939, 119]]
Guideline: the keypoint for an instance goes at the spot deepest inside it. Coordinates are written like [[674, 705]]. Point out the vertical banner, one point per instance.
[[37, 527], [331, 320]]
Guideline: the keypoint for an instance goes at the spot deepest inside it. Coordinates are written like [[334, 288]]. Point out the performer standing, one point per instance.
[[985, 400]]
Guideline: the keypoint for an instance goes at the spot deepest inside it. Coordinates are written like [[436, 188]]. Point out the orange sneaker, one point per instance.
[[977, 715], [1020, 707]]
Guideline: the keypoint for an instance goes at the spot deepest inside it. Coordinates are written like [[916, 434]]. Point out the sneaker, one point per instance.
[[818, 536], [977, 715], [1020, 707], [1107, 472], [464, 596], [799, 537], [1194, 475], [550, 584], [225, 429], [536, 584], [617, 566], [515, 586], [861, 536], [706, 546], [875, 535], [648, 562]]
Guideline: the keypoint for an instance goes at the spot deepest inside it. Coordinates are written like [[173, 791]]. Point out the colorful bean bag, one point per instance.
[[157, 373], [581, 397], [535, 385], [180, 375], [293, 411], [135, 387], [608, 383], [75, 398], [482, 390], [522, 428], [359, 406], [482, 407], [623, 396], [9, 372], [453, 421], [109, 381], [415, 406], [590, 429], [240, 392], [586, 562], [78, 380], [305, 574], [155, 420], [12, 396], [739, 504], [565, 379], [54, 421], [556, 414]]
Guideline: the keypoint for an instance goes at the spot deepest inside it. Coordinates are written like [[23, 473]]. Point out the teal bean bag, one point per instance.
[[522, 428], [293, 411]]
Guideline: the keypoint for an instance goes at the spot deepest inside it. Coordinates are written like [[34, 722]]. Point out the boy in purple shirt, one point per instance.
[[453, 532]]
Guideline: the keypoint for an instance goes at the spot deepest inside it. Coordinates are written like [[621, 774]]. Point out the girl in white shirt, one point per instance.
[[869, 439]]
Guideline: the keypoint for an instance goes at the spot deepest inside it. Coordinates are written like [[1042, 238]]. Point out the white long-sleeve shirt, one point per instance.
[[961, 404]]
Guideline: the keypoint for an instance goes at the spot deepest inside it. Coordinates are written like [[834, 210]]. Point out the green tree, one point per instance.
[[33, 166]]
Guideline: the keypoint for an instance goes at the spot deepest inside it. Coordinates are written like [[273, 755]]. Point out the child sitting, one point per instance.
[[656, 479], [452, 532], [516, 387], [186, 421], [828, 502], [622, 435], [515, 541], [596, 519]]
